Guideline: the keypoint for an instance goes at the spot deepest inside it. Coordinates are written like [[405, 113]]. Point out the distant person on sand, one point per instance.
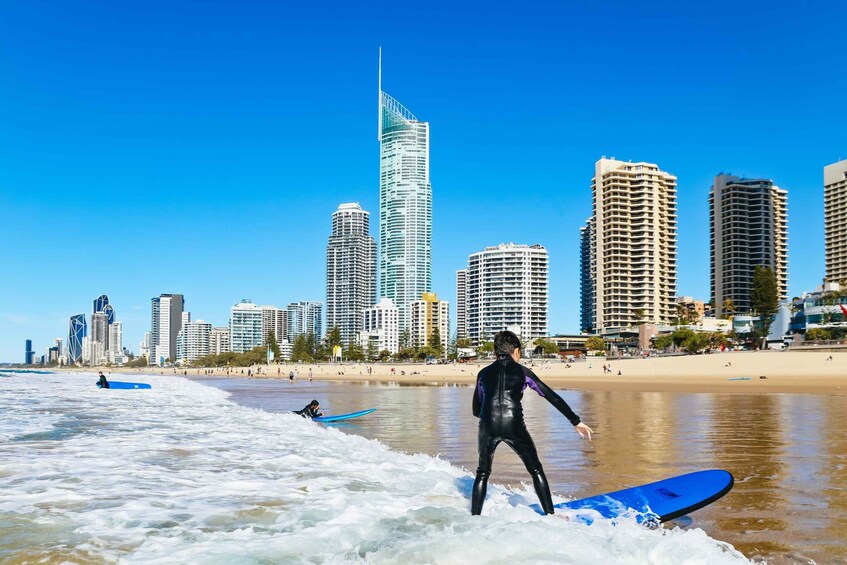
[[311, 410], [497, 404], [102, 383]]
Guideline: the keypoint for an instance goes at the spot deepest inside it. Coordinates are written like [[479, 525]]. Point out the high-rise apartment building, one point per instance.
[[748, 220], [219, 341], [193, 341], [586, 281], [77, 331], [245, 327], [427, 315], [462, 304], [166, 321], [507, 288], [29, 354], [835, 220], [350, 270], [380, 330], [633, 254], [274, 320], [405, 205], [116, 337], [100, 330], [305, 318]]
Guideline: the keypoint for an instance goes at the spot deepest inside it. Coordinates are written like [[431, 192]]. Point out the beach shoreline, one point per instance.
[[731, 372]]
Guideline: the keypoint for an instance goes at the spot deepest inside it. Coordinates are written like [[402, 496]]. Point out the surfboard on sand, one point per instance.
[[125, 385], [660, 501], [343, 416]]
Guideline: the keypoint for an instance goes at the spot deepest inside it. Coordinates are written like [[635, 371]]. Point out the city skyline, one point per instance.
[[147, 144]]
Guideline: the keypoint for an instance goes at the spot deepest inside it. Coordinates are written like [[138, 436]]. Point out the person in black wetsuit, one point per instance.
[[311, 410], [102, 383], [497, 404]]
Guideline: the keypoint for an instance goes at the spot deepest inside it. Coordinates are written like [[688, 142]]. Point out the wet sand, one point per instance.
[[783, 372]]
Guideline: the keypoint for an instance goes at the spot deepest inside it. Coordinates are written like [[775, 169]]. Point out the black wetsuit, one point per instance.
[[309, 412], [497, 404], [103, 383]]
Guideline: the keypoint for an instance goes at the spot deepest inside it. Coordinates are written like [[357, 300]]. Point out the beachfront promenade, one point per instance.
[[784, 371]]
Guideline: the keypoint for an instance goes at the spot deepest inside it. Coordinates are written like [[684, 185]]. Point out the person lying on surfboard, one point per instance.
[[311, 410], [102, 383], [497, 404]]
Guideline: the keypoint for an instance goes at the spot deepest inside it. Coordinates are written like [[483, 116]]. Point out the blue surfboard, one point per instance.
[[343, 416], [660, 501], [125, 385]]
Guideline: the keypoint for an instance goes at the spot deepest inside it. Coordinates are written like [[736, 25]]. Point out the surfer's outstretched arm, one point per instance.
[[550, 395]]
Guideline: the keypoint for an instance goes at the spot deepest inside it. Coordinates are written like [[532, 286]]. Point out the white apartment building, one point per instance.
[[350, 271], [193, 341], [116, 337], [461, 304], [405, 205], [633, 253], [305, 318], [219, 341], [426, 315], [274, 320], [380, 327], [748, 221], [144, 346], [245, 327], [166, 321], [507, 287], [835, 220]]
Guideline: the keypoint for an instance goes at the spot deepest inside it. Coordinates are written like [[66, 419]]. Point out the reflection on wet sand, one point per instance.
[[788, 453]]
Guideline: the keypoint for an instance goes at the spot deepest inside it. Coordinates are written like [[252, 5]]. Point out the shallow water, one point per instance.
[[788, 452], [183, 474]]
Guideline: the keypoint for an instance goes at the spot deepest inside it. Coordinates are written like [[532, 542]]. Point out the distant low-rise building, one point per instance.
[[428, 314], [381, 327]]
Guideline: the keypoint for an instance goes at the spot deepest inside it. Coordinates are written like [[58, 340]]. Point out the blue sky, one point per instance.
[[201, 148]]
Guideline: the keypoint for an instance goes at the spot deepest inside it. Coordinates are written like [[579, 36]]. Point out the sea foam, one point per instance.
[[181, 474]]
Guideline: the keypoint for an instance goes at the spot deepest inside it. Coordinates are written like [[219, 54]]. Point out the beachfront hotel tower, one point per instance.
[[586, 282], [462, 304], [350, 271], [405, 205], [166, 321], [748, 224], [835, 221], [507, 288], [245, 327], [632, 257]]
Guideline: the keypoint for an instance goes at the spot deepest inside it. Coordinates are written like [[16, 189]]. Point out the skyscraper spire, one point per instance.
[[379, 97]]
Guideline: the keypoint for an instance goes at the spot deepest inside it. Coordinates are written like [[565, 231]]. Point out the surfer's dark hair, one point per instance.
[[314, 403], [505, 343]]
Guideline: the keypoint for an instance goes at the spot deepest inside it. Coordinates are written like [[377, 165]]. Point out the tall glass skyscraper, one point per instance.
[[405, 205], [77, 330]]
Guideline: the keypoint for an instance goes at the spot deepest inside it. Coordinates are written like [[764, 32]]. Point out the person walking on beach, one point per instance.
[[311, 410], [497, 404]]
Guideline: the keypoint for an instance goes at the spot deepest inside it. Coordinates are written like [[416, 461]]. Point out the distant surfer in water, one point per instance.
[[102, 383], [311, 410], [497, 404]]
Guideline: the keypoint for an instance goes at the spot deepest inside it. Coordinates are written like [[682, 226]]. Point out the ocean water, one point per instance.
[[182, 474]]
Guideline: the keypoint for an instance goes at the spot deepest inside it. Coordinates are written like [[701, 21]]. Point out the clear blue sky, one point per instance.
[[200, 148]]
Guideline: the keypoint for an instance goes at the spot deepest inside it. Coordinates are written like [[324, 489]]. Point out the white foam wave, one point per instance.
[[180, 474]]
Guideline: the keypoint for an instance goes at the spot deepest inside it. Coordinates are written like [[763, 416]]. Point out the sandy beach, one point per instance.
[[743, 372]]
